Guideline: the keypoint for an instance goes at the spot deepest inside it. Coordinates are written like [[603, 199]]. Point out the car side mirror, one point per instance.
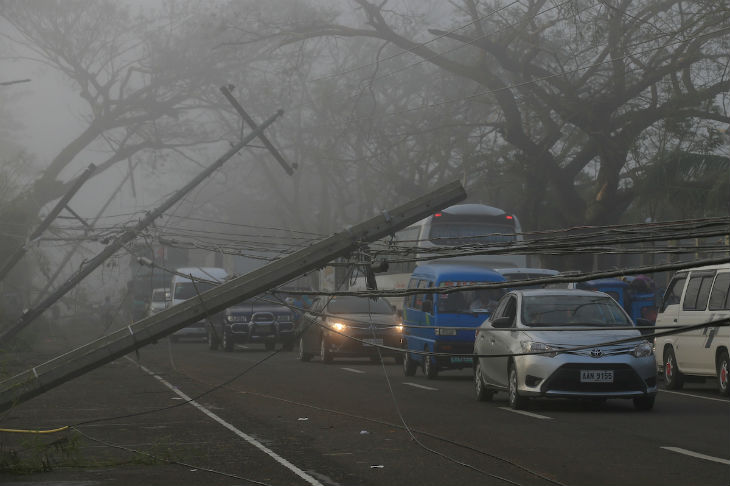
[[641, 322], [502, 322], [427, 306]]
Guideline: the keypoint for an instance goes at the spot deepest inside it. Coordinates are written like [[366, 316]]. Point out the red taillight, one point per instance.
[[437, 215], [509, 217]]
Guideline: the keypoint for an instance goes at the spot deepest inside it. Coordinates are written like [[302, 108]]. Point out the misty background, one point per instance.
[[564, 113]]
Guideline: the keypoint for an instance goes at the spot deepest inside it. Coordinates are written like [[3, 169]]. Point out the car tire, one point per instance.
[[673, 378], [213, 343], [429, 366], [516, 401], [269, 345], [483, 393], [227, 339], [644, 403], [409, 366], [305, 357], [722, 373], [325, 355]]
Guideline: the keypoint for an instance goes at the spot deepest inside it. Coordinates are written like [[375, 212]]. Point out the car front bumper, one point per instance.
[[560, 376]]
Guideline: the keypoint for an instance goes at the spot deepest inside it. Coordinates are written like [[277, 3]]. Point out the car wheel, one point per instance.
[[516, 401], [645, 402], [269, 345], [673, 378], [212, 339], [302, 355], [483, 393], [409, 366], [722, 373], [227, 341], [325, 355], [429, 367]]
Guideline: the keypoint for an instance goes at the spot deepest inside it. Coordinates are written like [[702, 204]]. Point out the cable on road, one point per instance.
[[167, 461]]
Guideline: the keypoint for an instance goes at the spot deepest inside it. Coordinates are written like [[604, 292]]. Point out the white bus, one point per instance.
[[435, 238]]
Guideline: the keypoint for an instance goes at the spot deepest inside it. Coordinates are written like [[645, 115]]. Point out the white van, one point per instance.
[[183, 288], [693, 297]]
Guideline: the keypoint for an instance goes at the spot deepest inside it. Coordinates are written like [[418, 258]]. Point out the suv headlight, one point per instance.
[[537, 347], [643, 349], [236, 318]]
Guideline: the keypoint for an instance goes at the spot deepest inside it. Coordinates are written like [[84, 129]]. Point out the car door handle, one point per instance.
[[492, 341]]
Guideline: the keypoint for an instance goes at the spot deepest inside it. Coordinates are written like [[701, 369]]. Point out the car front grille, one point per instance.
[[567, 379]]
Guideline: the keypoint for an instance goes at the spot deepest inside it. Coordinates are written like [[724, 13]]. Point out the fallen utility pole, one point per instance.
[[127, 236], [53, 373], [20, 252]]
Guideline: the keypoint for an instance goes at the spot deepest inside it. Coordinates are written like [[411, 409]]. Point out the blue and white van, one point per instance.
[[438, 313]]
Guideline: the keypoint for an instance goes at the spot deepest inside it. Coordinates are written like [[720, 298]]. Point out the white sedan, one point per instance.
[[561, 343]]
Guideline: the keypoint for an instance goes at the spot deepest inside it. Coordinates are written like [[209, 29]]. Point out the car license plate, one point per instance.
[[461, 359], [596, 376], [373, 341], [447, 332]]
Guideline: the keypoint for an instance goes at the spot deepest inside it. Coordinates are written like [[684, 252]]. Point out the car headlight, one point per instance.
[[399, 328], [537, 347], [237, 318], [338, 326], [643, 349]]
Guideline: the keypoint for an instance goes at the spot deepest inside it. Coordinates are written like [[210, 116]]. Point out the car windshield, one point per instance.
[[358, 305], [185, 290], [572, 310]]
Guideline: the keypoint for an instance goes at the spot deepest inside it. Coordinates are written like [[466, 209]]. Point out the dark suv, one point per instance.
[[258, 320]]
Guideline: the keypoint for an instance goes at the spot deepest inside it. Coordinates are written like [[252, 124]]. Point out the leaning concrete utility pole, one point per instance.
[[20, 252], [53, 373], [127, 236]]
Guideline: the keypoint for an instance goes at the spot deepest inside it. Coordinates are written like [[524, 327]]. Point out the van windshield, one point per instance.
[[186, 290], [468, 301]]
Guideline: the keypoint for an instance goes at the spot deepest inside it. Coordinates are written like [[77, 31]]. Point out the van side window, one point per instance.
[[698, 291], [720, 298], [510, 310], [422, 284], [408, 300], [674, 291]]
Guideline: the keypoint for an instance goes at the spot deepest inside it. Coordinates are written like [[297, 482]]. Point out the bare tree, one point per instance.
[[578, 85]]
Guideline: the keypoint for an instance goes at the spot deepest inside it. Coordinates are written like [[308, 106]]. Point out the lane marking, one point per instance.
[[694, 396], [311, 480], [697, 455], [423, 387], [529, 414], [353, 370]]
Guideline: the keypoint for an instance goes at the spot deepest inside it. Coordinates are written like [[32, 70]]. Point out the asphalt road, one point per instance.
[[272, 419]]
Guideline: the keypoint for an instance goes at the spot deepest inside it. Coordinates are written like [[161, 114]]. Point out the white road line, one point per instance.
[[529, 414], [694, 396], [697, 455], [423, 387], [236, 431], [353, 370]]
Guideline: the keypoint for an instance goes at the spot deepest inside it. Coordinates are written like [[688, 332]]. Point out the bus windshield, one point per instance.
[[453, 233]]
